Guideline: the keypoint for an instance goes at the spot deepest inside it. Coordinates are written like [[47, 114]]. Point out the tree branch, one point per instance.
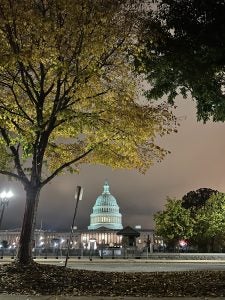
[[15, 154], [26, 85], [20, 107], [12, 175], [65, 165]]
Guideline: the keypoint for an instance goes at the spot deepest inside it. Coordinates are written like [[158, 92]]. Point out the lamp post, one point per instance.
[[4, 202], [92, 247], [78, 197]]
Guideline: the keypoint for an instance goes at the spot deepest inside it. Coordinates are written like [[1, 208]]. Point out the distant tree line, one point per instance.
[[198, 218]]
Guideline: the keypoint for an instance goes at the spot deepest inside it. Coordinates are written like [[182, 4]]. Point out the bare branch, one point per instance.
[[12, 175]]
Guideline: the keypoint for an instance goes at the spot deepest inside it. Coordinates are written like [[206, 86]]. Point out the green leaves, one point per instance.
[[6, 158], [184, 52], [211, 218], [174, 223], [204, 228]]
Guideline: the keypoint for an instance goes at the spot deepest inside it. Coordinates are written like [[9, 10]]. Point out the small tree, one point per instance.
[[196, 203], [69, 95], [174, 222], [210, 223]]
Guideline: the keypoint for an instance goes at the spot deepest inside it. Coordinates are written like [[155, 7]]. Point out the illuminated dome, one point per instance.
[[106, 211]]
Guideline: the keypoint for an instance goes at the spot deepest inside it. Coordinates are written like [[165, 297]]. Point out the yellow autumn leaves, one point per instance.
[[68, 86]]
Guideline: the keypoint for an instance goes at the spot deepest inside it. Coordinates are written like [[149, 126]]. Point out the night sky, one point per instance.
[[197, 160]]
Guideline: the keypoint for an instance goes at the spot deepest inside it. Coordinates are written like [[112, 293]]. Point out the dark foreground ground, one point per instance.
[[53, 280]]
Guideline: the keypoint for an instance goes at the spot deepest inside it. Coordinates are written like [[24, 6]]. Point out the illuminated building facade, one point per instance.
[[105, 212], [103, 232]]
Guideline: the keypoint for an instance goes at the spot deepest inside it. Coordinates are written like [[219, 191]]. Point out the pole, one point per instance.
[[78, 197], [2, 213]]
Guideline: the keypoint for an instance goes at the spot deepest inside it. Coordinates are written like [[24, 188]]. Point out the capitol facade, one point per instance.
[[106, 212], [104, 232]]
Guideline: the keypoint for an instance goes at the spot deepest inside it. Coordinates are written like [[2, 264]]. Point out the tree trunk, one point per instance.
[[35, 214], [24, 255]]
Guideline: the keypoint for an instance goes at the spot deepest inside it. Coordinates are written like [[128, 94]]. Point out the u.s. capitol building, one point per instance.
[[105, 231]]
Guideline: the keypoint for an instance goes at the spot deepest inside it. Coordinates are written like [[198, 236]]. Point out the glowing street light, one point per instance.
[[4, 202]]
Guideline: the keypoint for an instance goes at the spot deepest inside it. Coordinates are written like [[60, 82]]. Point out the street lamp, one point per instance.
[[92, 247], [78, 197], [4, 202]]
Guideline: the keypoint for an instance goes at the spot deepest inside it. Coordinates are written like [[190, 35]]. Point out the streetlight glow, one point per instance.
[[4, 202], [9, 194], [3, 194], [6, 195]]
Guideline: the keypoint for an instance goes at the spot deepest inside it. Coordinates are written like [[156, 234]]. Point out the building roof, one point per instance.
[[100, 229], [106, 199], [128, 231]]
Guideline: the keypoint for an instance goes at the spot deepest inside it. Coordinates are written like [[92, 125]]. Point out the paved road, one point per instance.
[[131, 265], [141, 266], [147, 267]]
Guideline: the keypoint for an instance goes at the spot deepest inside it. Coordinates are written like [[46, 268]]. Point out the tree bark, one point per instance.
[[24, 255]]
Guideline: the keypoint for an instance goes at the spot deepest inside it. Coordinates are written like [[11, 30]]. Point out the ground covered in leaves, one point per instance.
[[53, 280]]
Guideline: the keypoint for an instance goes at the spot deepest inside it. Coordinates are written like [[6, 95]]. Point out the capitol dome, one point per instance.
[[106, 211]]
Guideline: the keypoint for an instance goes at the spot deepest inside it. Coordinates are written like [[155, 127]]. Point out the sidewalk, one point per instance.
[[118, 260]]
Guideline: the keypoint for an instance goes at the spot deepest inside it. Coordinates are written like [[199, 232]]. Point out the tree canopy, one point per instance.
[[209, 226], [69, 94], [196, 199], [204, 229], [174, 222], [184, 53]]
